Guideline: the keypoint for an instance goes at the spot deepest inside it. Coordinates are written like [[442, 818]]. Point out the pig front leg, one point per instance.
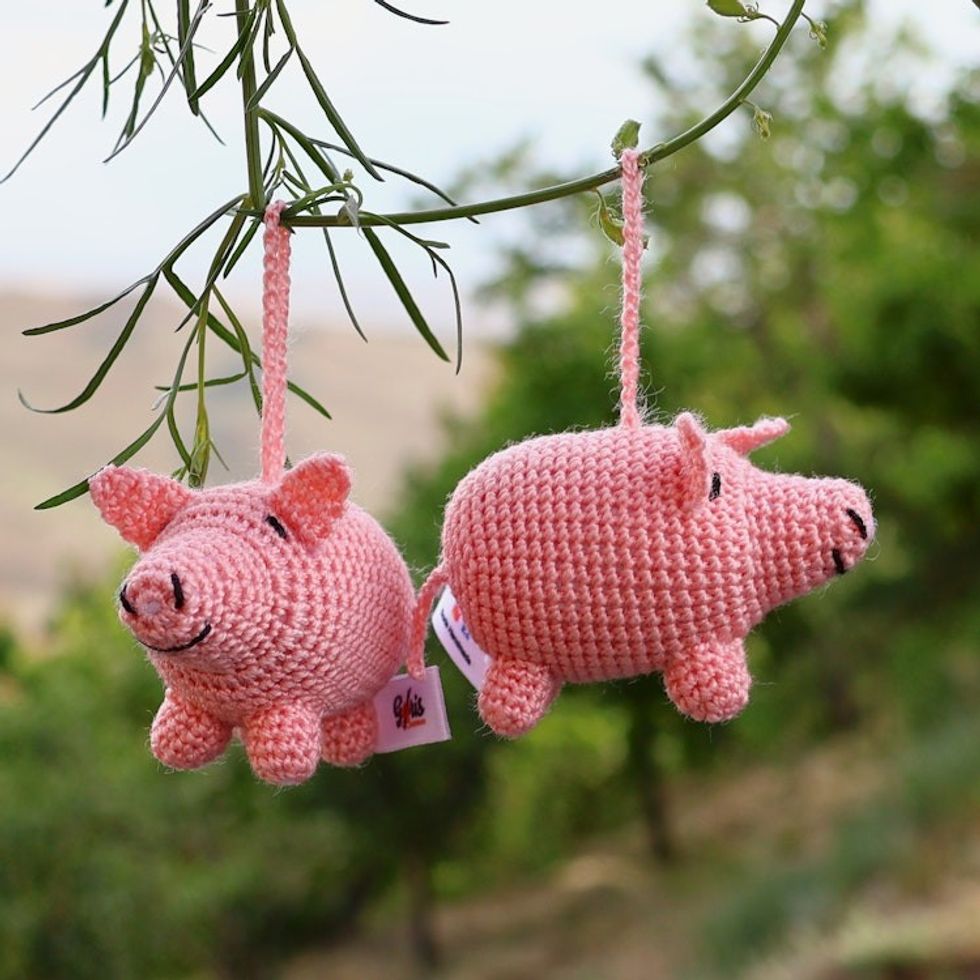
[[349, 738], [184, 736], [710, 682], [283, 743], [515, 695]]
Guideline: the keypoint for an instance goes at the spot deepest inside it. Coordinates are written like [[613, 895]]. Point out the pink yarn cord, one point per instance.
[[275, 319], [420, 620], [629, 347]]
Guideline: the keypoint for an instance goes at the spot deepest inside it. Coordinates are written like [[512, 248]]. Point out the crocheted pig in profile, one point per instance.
[[594, 555], [591, 556], [279, 610]]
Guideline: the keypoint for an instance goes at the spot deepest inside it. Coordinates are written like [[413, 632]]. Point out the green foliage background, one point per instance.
[[829, 274]]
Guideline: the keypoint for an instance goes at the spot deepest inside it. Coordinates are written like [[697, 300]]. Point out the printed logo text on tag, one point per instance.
[[411, 712]]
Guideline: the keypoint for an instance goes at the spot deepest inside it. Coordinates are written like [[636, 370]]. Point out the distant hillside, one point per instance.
[[386, 398]]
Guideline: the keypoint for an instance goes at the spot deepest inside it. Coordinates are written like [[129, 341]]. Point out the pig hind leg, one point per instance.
[[184, 736], [711, 682], [349, 739], [516, 695], [283, 743]]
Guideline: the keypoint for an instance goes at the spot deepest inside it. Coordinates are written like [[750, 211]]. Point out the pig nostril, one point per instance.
[[858, 522], [124, 601], [178, 591], [838, 561]]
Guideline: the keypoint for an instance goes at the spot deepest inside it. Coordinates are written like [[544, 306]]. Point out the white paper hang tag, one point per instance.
[[411, 712], [447, 621]]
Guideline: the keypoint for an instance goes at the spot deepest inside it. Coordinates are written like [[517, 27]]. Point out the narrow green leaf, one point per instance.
[[392, 9], [305, 396], [83, 75], [338, 276], [40, 102], [229, 59], [437, 261], [403, 292], [458, 308], [268, 81], [106, 83], [185, 243], [82, 317], [131, 450], [96, 380], [303, 141], [267, 31], [82, 487], [131, 129], [248, 359], [147, 62], [727, 8], [247, 54], [227, 379], [175, 436], [334, 117], [240, 346], [242, 246], [190, 72], [320, 93]]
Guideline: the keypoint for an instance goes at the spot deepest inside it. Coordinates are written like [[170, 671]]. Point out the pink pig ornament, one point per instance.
[[591, 556], [275, 607]]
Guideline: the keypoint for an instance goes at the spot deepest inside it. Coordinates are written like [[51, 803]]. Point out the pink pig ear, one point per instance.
[[695, 478], [137, 503], [312, 495], [745, 438]]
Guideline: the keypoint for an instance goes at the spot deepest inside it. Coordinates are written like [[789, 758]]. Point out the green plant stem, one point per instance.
[[253, 155], [553, 193]]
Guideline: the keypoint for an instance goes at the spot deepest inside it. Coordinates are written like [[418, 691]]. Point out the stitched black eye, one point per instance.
[[273, 522], [715, 486]]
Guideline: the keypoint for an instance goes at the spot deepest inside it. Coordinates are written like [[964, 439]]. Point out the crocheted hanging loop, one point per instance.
[[276, 608], [588, 556], [629, 343], [275, 325]]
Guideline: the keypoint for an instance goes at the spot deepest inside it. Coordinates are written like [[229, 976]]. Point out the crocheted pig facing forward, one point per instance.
[[279, 610], [590, 556]]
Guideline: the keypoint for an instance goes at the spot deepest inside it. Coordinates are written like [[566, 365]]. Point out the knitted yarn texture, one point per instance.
[[275, 607], [596, 555]]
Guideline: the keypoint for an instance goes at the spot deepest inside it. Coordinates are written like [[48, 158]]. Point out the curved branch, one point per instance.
[[659, 152]]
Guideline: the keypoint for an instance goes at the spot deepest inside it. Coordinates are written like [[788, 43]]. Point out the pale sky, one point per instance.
[[434, 99]]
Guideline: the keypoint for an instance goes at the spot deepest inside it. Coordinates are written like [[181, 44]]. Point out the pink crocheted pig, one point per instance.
[[279, 609], [591, 556], [587, 556]]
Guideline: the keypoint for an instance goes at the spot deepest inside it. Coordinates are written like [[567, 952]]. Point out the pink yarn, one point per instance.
[[275, 323], [629, 346], [275, 607], [597, 555]]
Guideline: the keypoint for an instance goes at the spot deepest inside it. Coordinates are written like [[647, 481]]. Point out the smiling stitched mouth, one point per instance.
[[183, 646]]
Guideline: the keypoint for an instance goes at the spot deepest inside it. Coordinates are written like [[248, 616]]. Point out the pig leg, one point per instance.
[[515, 695], [283, 743], [184, 736], [349, 738], [710, 682]]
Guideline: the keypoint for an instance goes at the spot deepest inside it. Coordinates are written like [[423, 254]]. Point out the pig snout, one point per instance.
[[850, 511], [157, 606], [808, 531]]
